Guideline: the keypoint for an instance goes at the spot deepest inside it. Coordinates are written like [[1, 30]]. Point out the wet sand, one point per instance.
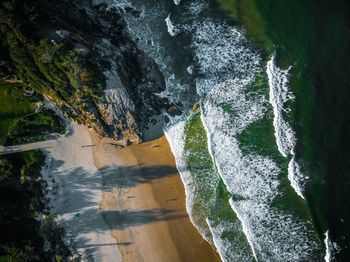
[[143, 203]]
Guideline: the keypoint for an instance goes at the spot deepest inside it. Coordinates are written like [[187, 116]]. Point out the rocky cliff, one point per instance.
[[79, 55]]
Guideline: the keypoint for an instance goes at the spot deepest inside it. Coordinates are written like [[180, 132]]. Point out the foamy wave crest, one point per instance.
[[285, 137], [175, 133], [228, 250], [177, 2], [279, 96], [230, 68], [171, 28], [196, 7], [296, 177], [331, 248]]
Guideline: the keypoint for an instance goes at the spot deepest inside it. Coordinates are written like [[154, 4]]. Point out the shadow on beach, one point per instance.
[[131, 176], [76, 196], [129, 218]]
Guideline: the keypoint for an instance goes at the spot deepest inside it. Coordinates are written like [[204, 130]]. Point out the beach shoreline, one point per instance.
[[118, 203], [143, 203]]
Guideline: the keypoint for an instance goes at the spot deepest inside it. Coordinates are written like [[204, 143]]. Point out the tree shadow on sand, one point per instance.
[[131, 176], [76, 193], [130, 218], [76, 190]]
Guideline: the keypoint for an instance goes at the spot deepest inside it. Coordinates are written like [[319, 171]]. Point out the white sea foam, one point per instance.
[[253, 180], [171, 28], [175, 133], [228, 251], [328, 245], [175, 136], [118, 3], [285, 137], [296, 177], [189, 70], [279, 96], [177, 2], [196, 7], [331, 248]]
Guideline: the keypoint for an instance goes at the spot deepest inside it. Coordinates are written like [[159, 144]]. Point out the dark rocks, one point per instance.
[[174, 110], [166, 119], [125, 98]]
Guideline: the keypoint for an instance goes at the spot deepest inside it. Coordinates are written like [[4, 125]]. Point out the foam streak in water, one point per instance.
[[331, 248], [228, 68], [171, 28], [328, 245], [285, 137], [279, 95]]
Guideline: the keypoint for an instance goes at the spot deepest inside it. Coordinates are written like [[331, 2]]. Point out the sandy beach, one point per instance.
[[75, 194], [119, 204], [143, 203]]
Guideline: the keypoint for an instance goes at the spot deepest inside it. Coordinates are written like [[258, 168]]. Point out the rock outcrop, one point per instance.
[[79, 55]]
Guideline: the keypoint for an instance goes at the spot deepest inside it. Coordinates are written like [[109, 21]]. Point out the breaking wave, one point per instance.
[[171, 28], [331, 248], [229, 67], [285, 136]]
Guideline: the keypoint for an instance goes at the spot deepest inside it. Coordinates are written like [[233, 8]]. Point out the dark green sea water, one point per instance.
[[313, 37]]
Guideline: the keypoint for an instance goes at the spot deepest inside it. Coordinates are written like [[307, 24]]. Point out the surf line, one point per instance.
[[279, 95]]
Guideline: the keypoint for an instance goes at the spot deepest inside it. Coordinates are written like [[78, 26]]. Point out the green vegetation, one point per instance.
[[35, 127], [56, 67], [13, 106], [24, 236], [18, 121]]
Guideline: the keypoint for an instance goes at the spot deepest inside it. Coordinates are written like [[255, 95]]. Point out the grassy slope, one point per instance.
[[13, 106], [59, 70], [35, 127]]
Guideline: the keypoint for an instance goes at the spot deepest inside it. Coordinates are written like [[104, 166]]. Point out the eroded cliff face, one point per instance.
[[79, 55]]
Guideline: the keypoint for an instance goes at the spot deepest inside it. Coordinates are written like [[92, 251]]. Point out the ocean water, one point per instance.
[[313, 38], [255, 164]]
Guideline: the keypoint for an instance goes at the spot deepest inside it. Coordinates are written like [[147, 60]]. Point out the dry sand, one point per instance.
[[76, 193], [143, 203], [136, 191]]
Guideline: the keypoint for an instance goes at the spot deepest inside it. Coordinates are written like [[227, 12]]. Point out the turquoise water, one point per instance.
[[257, 157]]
